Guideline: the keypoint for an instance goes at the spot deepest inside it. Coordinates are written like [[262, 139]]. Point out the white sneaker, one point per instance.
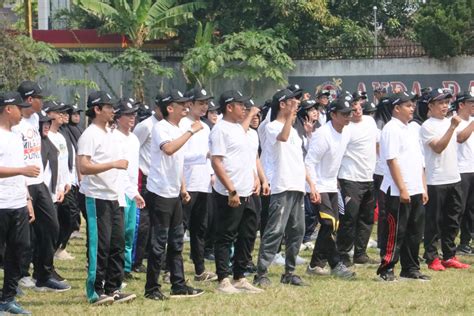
[[309, 245], [372, 243], [303, 247], [300, 261], [351, 253], [317, 270], [245, 286], [279, 260], [27, 282], [226, 287], [76, 235], [62, 254], [186, 237]]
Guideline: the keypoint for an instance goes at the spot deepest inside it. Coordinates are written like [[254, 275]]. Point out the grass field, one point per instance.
[[450, 292]]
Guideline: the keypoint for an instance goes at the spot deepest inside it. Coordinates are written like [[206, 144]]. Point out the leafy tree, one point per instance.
[[22, 58], [443, 28]]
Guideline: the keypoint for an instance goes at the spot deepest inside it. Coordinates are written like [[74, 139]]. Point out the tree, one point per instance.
[[22, 58], [443, 28]]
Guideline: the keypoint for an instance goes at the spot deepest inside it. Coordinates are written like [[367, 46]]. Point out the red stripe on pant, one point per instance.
[[391, 239]]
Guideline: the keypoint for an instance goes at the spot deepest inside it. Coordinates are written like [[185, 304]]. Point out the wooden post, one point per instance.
[[28, 18]]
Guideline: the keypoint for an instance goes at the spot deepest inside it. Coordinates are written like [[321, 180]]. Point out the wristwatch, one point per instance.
[[232, 193], [191, 131]]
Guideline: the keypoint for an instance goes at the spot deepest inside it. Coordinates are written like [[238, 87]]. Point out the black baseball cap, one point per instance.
[[98, 98], [126, 106], [380, 90], [296, 89], [74, 108], [230, 96], [439, 94], [173, 95], [358, 95], [465, 96], [199, 94], [369, 107], [323, 92], [213, 106], [53, 106], [282, 95], [30, 89], [341, 104], [251, 103], [43, 117], [400, 97], [308, 104], [13, 98]]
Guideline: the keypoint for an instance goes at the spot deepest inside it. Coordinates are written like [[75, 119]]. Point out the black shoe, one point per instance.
[[464, 250], [129, 276], [103, 300], [415, 275], [120, 297], [156, 295], [251, 268], [292, 279], [52, 285], [185, 291], [366, 260], [261, 280], [139, 269], [210, 257], [386, 275]]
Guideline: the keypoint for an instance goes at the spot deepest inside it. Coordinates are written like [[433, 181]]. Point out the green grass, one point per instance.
[[450, 292]]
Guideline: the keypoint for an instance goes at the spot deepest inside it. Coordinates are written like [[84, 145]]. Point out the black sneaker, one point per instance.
[[386, 275], [156, 295], [120, 297], [52, 285], [415, 275], [261, 281], [365, 260], [186, 291], [292, 279], [139, 269], [464, 250], [103, 300]]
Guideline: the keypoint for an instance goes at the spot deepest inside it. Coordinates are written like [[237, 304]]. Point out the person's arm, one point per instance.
[[263, 178], [185, 197], [465, 133], [425, 196], [314, 195], [86, 167], [27, 171], [219, 170], [285, 131], [438, 145], [169, 148], [246, 122], [394, 168]]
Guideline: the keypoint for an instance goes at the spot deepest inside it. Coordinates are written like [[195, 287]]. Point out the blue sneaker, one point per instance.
[[52, 285], [13, 307]]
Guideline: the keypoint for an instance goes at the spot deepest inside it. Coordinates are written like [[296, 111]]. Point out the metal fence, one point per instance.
[[160, 54]]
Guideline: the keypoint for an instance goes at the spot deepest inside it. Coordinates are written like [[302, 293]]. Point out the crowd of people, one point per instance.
[[225, 172]]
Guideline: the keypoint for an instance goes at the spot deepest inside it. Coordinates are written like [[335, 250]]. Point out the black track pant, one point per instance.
[[46, 232], [68, 214], [196, 211], [328, 217], [237, 226], [380, 196], [166, 215], [15, 235], [467, 219], [211, 226], [402, 233], [358, 219], [442, 218], [143, 234], [310, 219]]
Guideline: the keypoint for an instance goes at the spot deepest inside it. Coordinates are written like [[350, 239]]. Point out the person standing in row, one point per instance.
[[167, 192], [100, 158]]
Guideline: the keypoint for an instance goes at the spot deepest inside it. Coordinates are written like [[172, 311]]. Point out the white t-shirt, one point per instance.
[[102, 147], [196, 163], [128, 178], [358, 162], [13, 190], [59, 142], [230, 141], [466, 149], [289, 170], [143, 132], [440, 168], [254, 143], [401, 142], [166, 172], [29, 130], [265, 155], [323, 160]]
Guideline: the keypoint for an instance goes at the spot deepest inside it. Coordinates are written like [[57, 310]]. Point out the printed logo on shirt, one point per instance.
[[31, 144]]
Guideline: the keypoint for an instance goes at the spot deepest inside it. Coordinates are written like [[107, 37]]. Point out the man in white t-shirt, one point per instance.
[[99, 160], [167, 191], [143, 132], [130, 199], [444, 207], [16, 209], [357, 187], [405, 191], [46, 226], [197, 175], [286, 211], [323, 161], [235, 215], [465, 110]]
